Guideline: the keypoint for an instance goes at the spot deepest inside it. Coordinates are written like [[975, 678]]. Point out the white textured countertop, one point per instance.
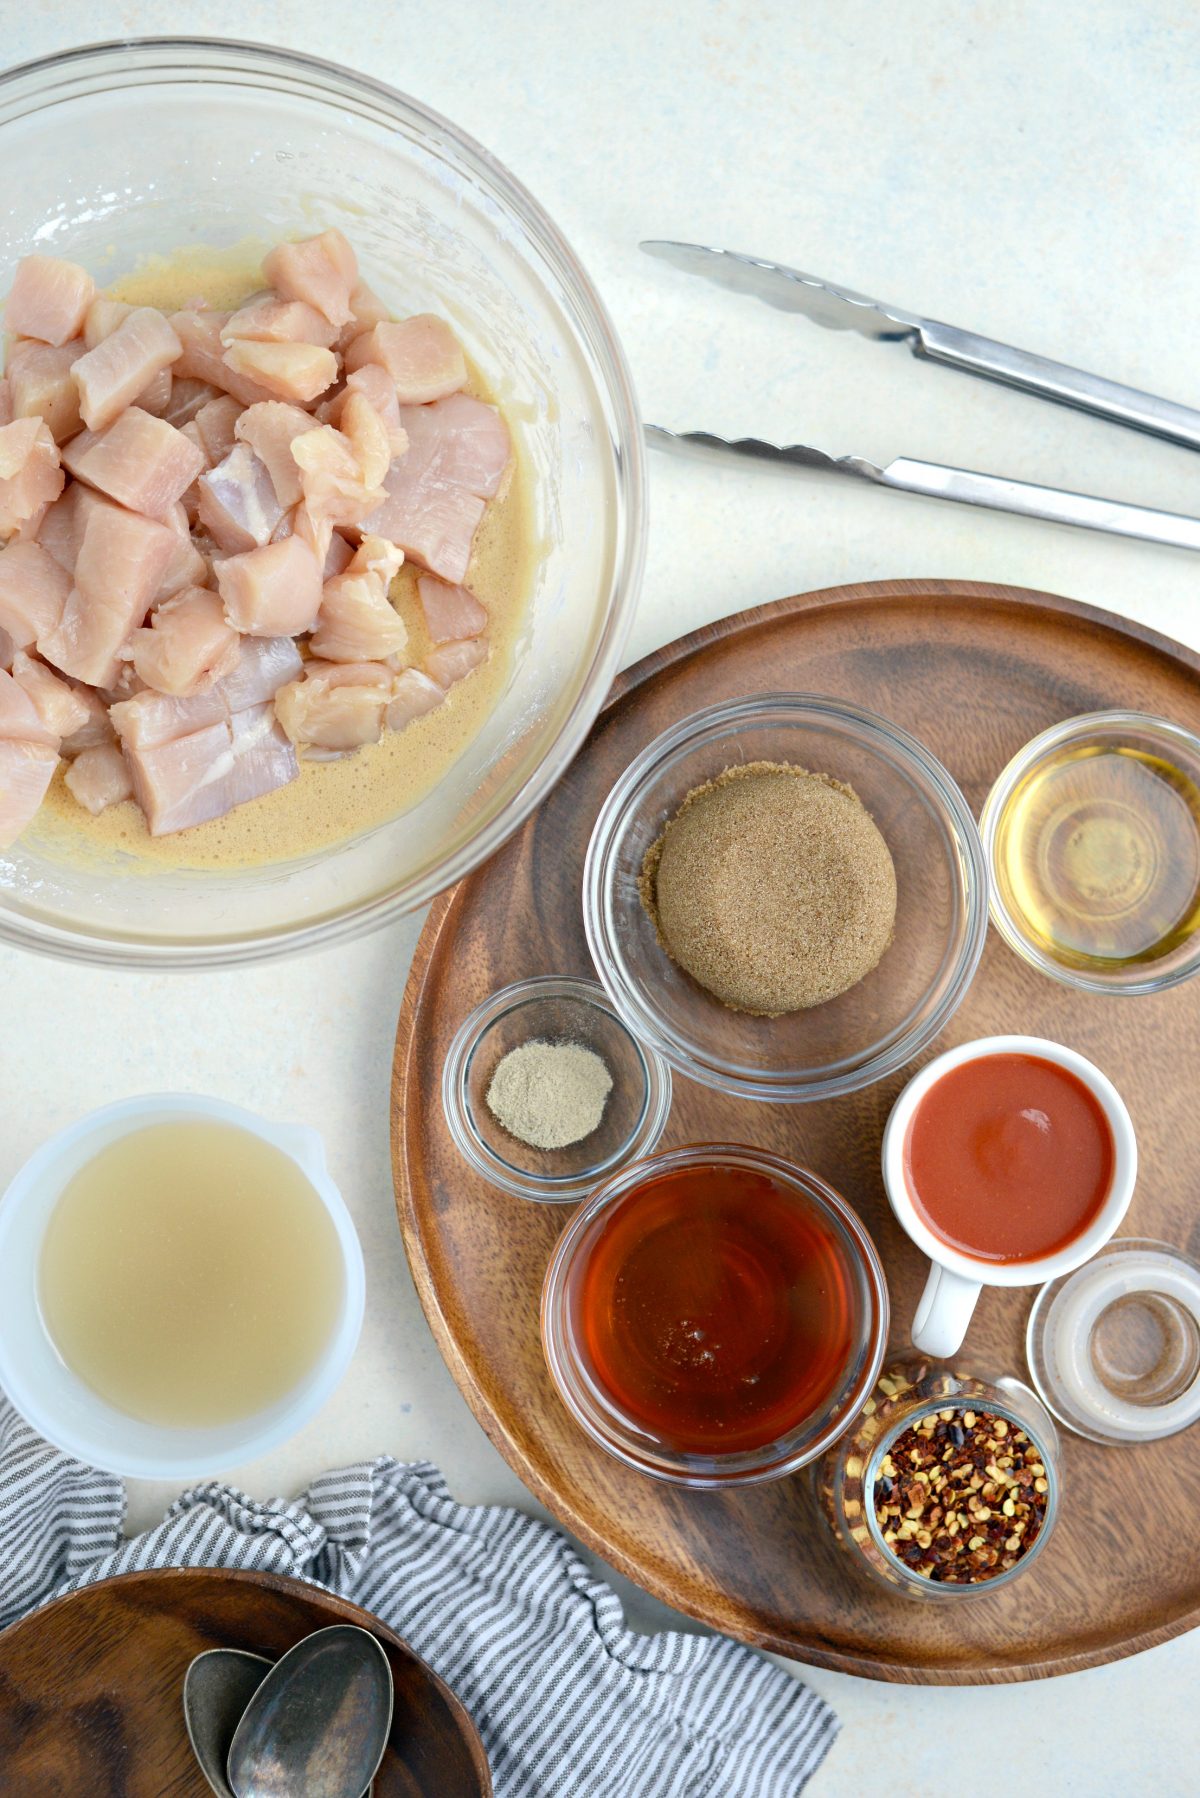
[[1028, 171]]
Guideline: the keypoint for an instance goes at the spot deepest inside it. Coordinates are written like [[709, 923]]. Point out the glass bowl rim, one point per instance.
[[1080, 726], [750, 1466], [548, 1189], [711, 723], [314, 80], [882, 1446]]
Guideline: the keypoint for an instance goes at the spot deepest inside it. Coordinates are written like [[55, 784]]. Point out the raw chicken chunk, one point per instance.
[[270, 428], [187, 397], [450, 613], [366, 309], [99, 777], [335, 707], [268, 319], [271, 592], [457, 455], [57, 703], [204, 775], [33, 592], [203, 357], [187, 647], [26, 770], [149, 718], [41, 385], [122, 559], [290, 371], [421, 355], [332, 476], [322, 271], [376, 386], [414, 694], [20, 720], [238, 502], [142, 462], [187, 567], [122, 365], [97, 727], [454, 661], [357, 622], [30, 476], [49, 297], [155, 397], [216, 426], [103, 316]]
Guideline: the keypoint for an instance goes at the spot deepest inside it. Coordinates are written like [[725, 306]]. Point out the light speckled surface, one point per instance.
[[1027, 171]]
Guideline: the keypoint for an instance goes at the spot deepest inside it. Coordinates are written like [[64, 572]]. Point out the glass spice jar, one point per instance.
[[908, 1394]]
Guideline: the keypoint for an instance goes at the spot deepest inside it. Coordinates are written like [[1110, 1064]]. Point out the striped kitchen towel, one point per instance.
[[569, 1701]]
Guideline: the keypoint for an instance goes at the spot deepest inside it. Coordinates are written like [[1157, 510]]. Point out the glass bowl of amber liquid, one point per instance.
[[864, 1474], [1092, 834]]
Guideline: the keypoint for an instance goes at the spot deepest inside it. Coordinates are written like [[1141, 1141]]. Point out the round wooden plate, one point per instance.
[[973, 671], [91, 1687]]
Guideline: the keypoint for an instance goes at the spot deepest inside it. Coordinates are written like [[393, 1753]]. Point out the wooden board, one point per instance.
[[91, 1687], [973, 671]]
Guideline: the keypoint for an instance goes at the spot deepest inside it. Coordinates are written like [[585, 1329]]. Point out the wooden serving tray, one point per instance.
[[973, 671], [91, 1687]]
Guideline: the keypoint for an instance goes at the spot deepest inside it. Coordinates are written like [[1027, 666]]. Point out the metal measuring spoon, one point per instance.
[[318, 1723], [217, 1687]]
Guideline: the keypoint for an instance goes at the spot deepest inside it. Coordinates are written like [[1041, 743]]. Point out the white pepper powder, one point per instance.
[[549, 1095]]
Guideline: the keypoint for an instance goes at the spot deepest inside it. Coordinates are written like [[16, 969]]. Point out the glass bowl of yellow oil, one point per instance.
[[1092, 834]]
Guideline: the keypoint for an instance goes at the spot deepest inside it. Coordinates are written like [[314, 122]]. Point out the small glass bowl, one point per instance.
[[1092, 730], [553, 1008], [624, 1437], [908, 1391], [941, 910]]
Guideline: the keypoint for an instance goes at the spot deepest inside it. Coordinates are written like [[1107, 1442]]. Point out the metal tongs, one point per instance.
[[839, 309]]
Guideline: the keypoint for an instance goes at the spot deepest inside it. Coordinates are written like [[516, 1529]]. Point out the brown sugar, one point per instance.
[[773, 887]]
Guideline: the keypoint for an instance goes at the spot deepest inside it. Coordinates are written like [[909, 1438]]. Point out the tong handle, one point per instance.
[[1052, 503], [1056, 381]]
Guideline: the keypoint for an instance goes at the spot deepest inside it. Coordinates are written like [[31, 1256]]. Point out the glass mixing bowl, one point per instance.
[[138, 147]]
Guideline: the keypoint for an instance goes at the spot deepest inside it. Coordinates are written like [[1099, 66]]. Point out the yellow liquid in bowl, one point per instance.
[[190, 1275]]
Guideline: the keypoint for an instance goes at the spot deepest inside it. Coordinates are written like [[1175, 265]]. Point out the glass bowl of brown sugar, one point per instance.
[[792, 895]]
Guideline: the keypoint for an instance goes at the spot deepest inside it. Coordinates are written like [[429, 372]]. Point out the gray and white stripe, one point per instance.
[[569, 1701]]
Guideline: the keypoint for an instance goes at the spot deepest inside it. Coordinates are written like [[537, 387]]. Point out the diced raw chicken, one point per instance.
[[338, 708], [30, 476], [56, 702], [26, 770], [103, 316], [238, 502], [62, 528], [331, 477], [454, 661], [187, 397], [155, 397], [121, 561], [357, 622], [186, 568], [142, 462], [322, 271], [451, 613], [376, 386], [366, 309], [98, 727], [187, 646], [216, 426], [421, 355], [270, 428], [375, 555], [202, 776], [290, 371], [414, 694], [33, 592], [122, 365], [99, 777], [40, 385], [271, 592], [126, 684], [338, 556], [367, 436], [457, 455], [49, 297], [268, 319], [20, 720], [203, 357], [266, 664]]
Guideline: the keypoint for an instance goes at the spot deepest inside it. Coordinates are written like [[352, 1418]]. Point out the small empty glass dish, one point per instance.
[[553, 1008]]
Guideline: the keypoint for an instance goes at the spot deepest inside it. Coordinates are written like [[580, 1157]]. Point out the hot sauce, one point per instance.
[[1009, 1158], [714, 1311]]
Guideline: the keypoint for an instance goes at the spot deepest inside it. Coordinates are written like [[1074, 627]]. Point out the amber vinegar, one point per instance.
[[1098, 854], [190, 1274]]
